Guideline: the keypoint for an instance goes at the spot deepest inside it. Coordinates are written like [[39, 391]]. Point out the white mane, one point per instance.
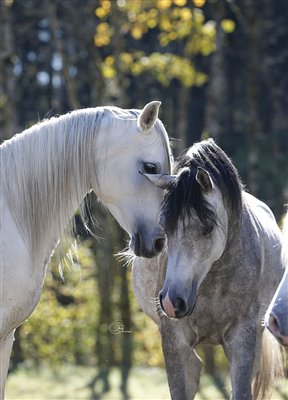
[[46, 170]]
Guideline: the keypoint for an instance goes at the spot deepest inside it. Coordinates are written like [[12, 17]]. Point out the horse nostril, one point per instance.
[[159, 244], [180, 305], [160, 299], [136, 244]]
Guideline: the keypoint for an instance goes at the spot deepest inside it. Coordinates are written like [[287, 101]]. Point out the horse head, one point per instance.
[[138, 146], [195, 217]]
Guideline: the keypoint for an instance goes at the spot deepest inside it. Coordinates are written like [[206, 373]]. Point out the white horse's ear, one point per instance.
[[204, 179], [148, 116], [162, 181]]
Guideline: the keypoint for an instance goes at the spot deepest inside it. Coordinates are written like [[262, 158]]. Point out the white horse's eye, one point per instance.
[[150, 168]]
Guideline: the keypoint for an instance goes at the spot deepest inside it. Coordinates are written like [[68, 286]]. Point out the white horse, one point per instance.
[[46, 172]]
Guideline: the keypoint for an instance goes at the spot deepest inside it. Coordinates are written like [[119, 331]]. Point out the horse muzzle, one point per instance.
[[175, 304], [143, 246]]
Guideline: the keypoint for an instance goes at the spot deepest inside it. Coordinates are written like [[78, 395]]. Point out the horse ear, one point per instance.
[[148, 115], [204, 179], [162, 181]]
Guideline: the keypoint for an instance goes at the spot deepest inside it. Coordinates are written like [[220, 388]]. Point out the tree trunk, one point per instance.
[[253, 33], [61, 49], [8, 118], [125, 312], [182, 119], [217, 80], [105, 265]]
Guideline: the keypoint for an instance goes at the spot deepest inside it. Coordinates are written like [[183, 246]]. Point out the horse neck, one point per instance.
[[47, 174]]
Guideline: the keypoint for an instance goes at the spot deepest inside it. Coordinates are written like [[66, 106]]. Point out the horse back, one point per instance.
[[263, 233], [260, 230]]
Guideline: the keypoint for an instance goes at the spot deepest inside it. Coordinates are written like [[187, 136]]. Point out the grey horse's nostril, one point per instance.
[[159, 244], [180, 305], [160, 299]]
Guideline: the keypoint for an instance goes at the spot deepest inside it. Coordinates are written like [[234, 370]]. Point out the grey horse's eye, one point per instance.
[[207, 230], [150, 168]]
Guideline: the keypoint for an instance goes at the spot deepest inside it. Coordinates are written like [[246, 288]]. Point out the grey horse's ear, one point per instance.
[[148, 116], [162, 181], [204, 179]]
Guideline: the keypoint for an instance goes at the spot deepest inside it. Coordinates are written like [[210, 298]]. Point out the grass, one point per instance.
[[72, 383]]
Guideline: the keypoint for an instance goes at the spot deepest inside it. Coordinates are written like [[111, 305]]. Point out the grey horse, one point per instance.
[[276, 317], [217, 277]]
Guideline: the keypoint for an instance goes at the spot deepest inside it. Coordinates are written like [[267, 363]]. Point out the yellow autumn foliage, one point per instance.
[[169, 21], [180, 3], [103, 34], [163, 4], [199, 3], [228, 25]]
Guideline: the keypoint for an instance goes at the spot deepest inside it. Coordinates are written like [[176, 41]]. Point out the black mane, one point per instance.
[[185, 194]]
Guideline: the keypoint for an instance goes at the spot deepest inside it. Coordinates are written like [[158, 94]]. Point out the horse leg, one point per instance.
[[240, 347], [5, 352], [183, 366]]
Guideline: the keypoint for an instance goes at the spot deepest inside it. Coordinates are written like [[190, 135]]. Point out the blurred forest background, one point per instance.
[[220, 69]]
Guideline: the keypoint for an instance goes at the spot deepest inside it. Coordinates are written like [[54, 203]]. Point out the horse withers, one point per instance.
[[276, 317], [46, 172], [214, 284]]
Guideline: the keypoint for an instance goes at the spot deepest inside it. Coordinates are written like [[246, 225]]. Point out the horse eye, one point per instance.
[[207, 230], [150, 168]]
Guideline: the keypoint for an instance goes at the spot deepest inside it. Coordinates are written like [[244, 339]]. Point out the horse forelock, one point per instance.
[[185, 195]]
